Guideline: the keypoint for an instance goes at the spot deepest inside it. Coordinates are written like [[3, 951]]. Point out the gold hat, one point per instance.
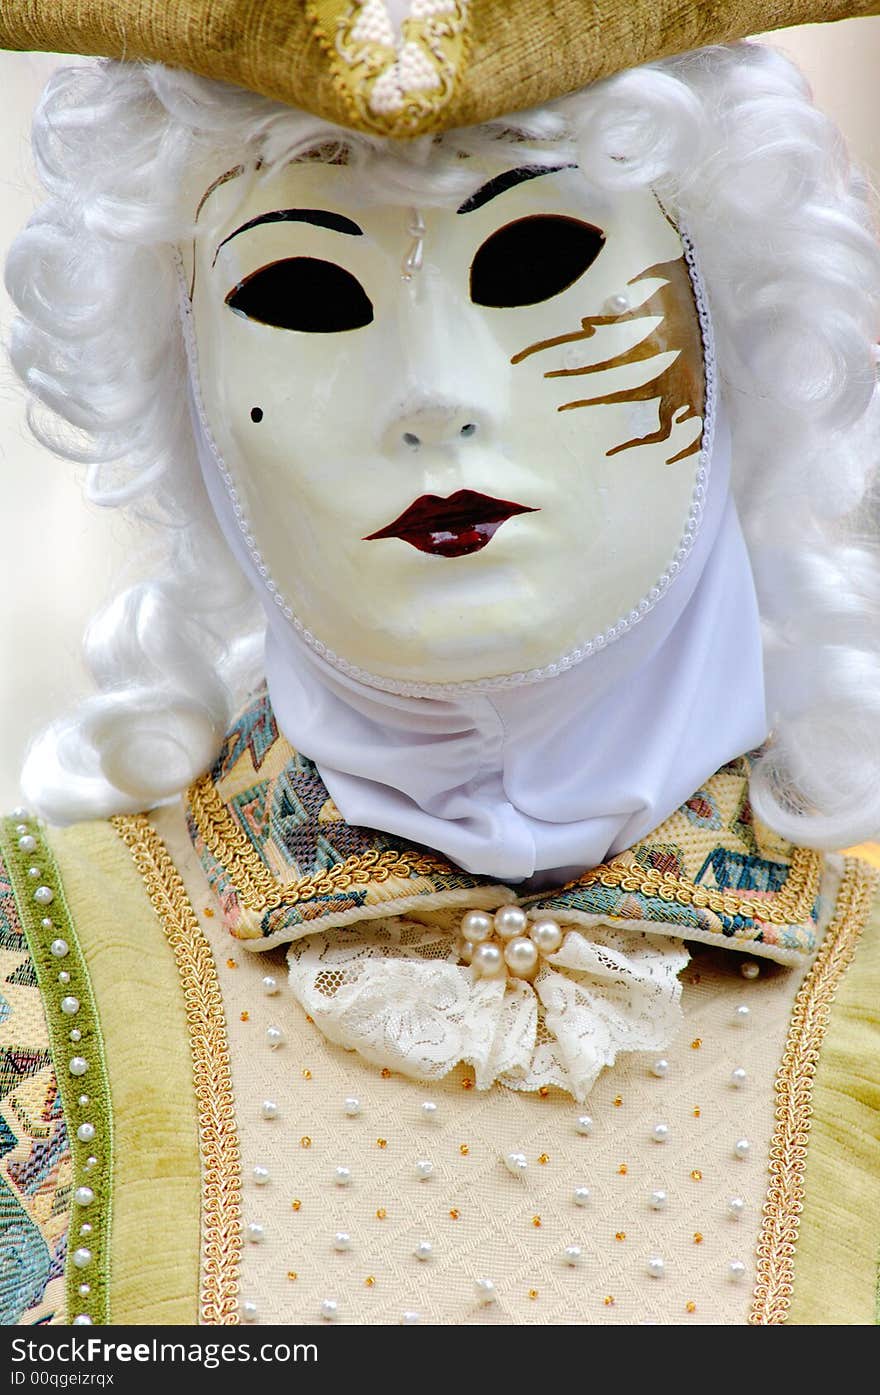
[[402, 67]]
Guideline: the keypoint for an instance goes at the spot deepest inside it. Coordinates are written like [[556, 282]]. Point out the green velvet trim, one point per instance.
[[43, 925]]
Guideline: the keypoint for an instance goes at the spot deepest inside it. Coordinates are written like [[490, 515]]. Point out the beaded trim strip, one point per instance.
[[212, 1074], [78, 1052], [794, 1095]]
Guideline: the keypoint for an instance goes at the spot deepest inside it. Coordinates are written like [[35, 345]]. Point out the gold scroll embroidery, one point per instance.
[[794, 1094], [256, 885], [212, 1074]]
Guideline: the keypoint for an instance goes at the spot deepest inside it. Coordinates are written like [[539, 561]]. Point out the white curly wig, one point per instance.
[[730, 141]]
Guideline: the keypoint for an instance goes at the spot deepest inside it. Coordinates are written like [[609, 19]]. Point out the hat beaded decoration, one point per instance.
[[402, 68]]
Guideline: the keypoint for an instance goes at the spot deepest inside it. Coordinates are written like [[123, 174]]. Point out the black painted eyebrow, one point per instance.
[[502, 182], [320, 217]]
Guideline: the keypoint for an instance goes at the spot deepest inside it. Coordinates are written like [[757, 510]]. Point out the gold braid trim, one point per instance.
[[256, 885], [790, 906], [794, 1095], [212, 1074]]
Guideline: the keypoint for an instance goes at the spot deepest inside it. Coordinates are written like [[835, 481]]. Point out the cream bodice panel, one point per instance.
[[372, 1198]]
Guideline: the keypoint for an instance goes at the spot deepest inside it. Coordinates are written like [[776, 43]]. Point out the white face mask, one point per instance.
[[465, 442]]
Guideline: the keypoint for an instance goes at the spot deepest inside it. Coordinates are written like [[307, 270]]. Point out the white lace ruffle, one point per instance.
[[394, 991]]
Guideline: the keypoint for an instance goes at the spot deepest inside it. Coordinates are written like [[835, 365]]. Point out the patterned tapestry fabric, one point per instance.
[[284, 863], [35, 1157], [402, 69]]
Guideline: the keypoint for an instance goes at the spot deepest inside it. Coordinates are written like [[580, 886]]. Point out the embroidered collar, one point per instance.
[[284, 863]]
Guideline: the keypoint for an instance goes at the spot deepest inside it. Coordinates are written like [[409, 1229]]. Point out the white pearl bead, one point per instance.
[[83, 1101], [739, 1077], [547, 935], [270, 984], [78, 1065], [27, 843], [352, 1106], [658, 1199], [476, 926], [424, 1169], [736, 1269], [82, 1320], [741, 1147], [511, 921], [521, 957], [75, 1035], [423, 1250], [82, 1257], [572, 1254], [342, 1176], [86, 1229], [85, 1133], [429, 1109], [466, 952], [84, 1290], [488, 961], [749, 969], [44, 895], [516, 1163], [581, 1196], [486, 1291], [656, 1267], [274, 1037], [584, 1124], [260, 1175], [90, 1163], [249, 1310], [46, 923], [35, 873], [660, 1133], [20, 813], [743, 1013], [329, 1309], [736, 1206], [342, 1240], [617, 304], [660, 1068], [256, 1233], [410, 1318], [70, 1006], [59, 948], [269, 1109], [64, 976], [84, 1196]]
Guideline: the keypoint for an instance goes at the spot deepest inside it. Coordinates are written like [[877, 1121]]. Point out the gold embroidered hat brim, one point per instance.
[[452, 63]]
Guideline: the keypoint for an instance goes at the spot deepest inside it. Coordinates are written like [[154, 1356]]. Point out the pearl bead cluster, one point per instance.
[[84, 1192], [505, 944]]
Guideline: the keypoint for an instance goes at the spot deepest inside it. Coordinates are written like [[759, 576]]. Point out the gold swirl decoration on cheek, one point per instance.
[[212, 1073], [794, 1096], [680, 387]]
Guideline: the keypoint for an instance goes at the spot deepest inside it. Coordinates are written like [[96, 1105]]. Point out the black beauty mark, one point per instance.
[[256, 414]]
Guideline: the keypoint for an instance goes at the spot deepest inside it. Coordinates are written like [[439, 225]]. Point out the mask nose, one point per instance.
[[439, 426]]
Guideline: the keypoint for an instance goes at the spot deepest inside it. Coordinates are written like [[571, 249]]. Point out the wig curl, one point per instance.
[[732, 144]]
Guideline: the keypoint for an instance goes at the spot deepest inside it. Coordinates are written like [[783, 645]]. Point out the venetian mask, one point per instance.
[[465, 440]]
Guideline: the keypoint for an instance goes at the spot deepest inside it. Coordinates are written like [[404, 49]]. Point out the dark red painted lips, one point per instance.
[[453, 527]]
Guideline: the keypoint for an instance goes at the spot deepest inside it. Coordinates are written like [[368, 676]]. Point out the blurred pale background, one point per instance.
[[60, 555]]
